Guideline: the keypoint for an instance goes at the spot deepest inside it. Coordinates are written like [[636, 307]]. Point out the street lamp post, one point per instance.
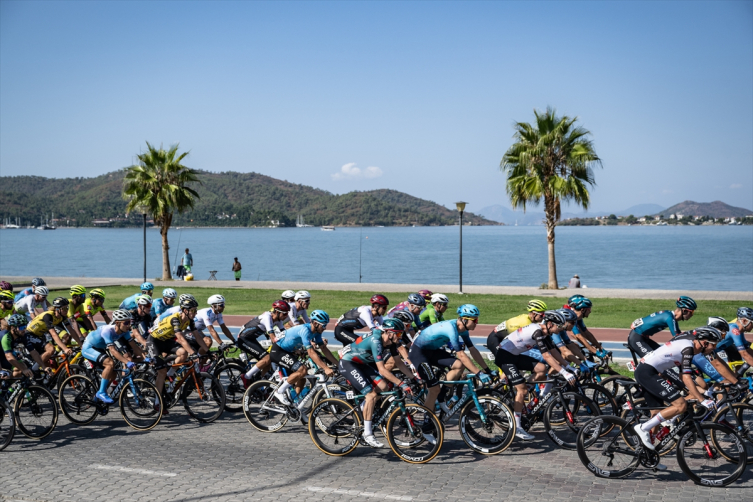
[[144, 214], [461, 208]]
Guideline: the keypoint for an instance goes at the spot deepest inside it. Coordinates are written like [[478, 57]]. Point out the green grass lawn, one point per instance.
[[607, 312]]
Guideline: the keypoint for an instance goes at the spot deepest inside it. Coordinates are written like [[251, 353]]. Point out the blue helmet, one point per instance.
[[319, 316], [574, 298], [568, 315], [580, 303], [416, 299], [147, 286], [745, 313], [38, 281], [468, 310], [686, 302]]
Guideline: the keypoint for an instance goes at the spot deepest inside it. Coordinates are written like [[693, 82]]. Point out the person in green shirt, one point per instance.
[[14, 336], [439, 303], [536, 309]]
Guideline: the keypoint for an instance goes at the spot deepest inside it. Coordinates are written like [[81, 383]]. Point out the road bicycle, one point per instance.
[[34, 408], [7, 423]]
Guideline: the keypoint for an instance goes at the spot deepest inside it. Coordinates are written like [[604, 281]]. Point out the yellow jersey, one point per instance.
[[76, 312], [90, 309], [43, 323], [168, 326], [514, 324]]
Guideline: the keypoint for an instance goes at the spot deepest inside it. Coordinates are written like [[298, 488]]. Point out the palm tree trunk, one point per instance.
[[166, 221], [551, 222]]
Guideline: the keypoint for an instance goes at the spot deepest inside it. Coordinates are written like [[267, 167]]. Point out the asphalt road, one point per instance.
[[181, 460]]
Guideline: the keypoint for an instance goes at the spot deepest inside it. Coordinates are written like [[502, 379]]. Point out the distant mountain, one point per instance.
[[641, 210], [227, 199], [716, 209]]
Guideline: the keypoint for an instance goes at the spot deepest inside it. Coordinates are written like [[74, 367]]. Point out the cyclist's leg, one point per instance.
[[345, 335], [494, 339], [640, 344], [659, 390], [425, 371]]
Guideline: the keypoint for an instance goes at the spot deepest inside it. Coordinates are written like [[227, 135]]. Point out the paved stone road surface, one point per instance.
[[230, 461]]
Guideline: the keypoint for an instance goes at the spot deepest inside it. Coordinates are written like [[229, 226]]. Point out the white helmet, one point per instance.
[[41, 290], [121, 315], [169, 293], [288, 295], [216, 299], [439, 298], [302, 295]]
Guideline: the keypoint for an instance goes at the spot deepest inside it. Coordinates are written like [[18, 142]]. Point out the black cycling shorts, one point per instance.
[[35, 342], [157, 347], [285, 359], [363, 377], [424, 359], [512, 365], [659, 390], [346, 336], [251, 345], [494, 339], [640, 344]]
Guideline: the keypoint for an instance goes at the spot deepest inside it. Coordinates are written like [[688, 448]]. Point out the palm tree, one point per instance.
[[550, 160], [158, 185]]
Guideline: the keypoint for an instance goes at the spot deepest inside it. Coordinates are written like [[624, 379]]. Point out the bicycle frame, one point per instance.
[[471, 394]]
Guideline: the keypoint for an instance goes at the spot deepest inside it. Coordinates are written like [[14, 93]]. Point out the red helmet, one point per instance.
[[281, 306], [426, 294], [379, 300], [6, 286]]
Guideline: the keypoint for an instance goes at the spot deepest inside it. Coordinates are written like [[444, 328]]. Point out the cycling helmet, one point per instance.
[[302, 295], [468, 310], [189, 303], [169, 293], [708, 333], [580, 303], [186, 296], [38, 281], [416, 299], [320, 316], [144, 300], [379, 300], [121, 315], [426, 294], [147, 286], [41, 290], [78, 290], [536, 306], [18, 320], [98, 293], [60, 302], [404, 316], [281, 306], [745, 313], [568, 315], [6, 296], [686, 302], [288, 295], [555, 316], [393, 324], [216, 299], [718, 323], [439, 298], [6, 286]]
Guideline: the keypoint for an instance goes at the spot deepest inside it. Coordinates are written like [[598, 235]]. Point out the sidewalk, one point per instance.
[[648, 294]]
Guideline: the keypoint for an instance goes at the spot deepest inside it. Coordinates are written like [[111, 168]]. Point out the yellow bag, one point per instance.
[[188, 277]]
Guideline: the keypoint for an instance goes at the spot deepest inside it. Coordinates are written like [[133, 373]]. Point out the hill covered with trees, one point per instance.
[[227, 199]]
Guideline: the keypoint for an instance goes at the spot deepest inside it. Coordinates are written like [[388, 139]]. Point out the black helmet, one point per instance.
[[404, 316], [555, 316], [189, 303], [718, 323], [60, 302], [709, 334]]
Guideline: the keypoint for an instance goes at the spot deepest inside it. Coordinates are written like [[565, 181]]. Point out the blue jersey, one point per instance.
[[159, 307], [103, 336], [579, 328], [298, 337], [130, 302], [23, 293], [364, 350], [658, 321], [443, 333]]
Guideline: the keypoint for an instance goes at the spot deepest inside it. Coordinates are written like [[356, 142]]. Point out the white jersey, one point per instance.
[[207, 317], [295, 313], [526, 338], [675, 353], [29, 304]]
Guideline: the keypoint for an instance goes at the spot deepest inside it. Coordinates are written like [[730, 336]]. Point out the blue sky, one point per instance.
[[419, 96]]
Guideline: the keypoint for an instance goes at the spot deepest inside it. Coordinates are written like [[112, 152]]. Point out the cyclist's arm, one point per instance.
[[478, 357], [197, 335], [724, 370], [314, 355], [106, 317], [387, 374], [59, 342], [183, 343], [38, 359], [687, 374], [227, 332], [747, 355], [214, 334], [467, 362], [18, 364], [120, 356], [74, 332], [554, 359], [136, 349], [404, 369], [137, 336]]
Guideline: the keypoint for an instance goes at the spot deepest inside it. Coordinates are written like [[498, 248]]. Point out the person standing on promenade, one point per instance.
[[237, 269], [574, 282], [187, 261]]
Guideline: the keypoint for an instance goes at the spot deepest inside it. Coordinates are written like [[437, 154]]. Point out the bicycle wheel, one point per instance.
[[76, 397], [203, 397], [36, 412], [229, 376], [261, 408], [614, 388], [565, 415], [701, 459], [7, 426], [602, 398], [407, 432], [73, 369], [607, 454], [490, 437], [739, 417], [334, 427], [137, 402], [628, 414]]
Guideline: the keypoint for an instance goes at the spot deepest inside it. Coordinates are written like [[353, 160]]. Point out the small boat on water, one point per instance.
[[328, 228]]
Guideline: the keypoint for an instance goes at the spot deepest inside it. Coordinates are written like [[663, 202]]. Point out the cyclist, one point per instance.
[[415, 304], [361, 317], [269, 324], [141, 319], [95, 305], [7, 308], [168, 337], [569, 350], [429, 316], [37, 281], [408, 320], [13, 337], [582, 307], [642, 329], [427, 351], [288, 296], [305, 336], [160, 305], [512, 360], [362, 364], [129, 303], [743, 324], [653, 368], [52, 325], [104, 343], [76, 310], [28, 304], [426, 295], [536, 309], [298, 308], [715, 367], [175, 308], [205, 318]]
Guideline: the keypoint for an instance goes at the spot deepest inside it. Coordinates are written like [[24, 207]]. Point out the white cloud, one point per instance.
[[350, 171], [736, 185]]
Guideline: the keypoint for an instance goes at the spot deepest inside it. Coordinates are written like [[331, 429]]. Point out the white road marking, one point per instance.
[[135, 471], [358, 493]]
